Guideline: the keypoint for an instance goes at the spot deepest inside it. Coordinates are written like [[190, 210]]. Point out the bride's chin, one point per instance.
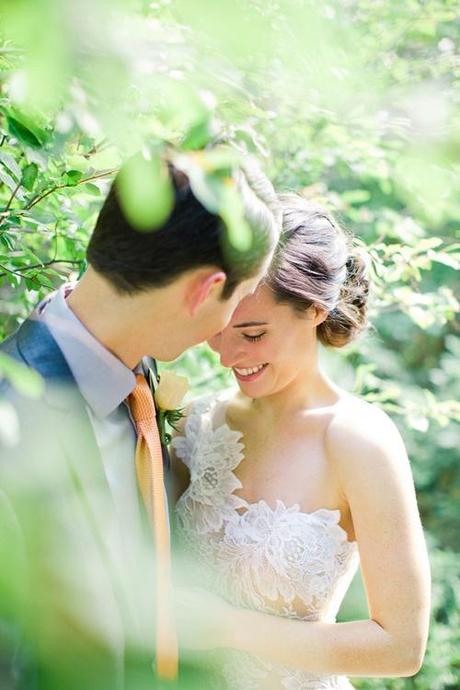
[[252, 390]]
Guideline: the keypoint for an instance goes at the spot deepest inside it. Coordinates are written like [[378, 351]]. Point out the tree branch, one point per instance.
[[20, 271], [14, 51], [10, 200], [14, 273], [65, 186]]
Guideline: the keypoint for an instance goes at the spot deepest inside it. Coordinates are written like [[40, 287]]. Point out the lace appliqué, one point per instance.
[[211, 456], [278, 560]]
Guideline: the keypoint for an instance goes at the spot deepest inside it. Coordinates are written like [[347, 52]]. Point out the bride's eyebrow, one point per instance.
[[248, 324]]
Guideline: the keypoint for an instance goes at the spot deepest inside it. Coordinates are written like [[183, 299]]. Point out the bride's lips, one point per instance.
[[248, 374]]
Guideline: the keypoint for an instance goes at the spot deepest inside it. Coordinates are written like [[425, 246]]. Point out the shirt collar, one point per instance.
[[103, 379]]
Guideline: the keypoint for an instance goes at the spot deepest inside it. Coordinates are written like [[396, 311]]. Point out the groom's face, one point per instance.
[[195, 322], [180, 327], [218, 312]]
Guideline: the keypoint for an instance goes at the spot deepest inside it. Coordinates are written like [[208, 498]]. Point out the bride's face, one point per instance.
[[266, 344]]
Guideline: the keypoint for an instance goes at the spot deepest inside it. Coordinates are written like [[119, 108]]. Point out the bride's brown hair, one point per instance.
[[317, 264]]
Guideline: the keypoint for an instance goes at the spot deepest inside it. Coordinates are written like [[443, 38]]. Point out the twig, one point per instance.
[[64, 186], [55, 240], [5, 213], [6, 51], [19, 271], [15, 273], [13, 194]]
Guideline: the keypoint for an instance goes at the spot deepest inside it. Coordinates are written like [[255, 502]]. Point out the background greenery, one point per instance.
[[356, 103]]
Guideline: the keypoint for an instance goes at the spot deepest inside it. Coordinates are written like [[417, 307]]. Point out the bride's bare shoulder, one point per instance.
[[369, 459], [359, 430]]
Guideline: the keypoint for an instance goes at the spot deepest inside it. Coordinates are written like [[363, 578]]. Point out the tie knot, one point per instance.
[[141, 401]]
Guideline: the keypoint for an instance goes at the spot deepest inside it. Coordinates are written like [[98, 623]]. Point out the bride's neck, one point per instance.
[[311, 389]]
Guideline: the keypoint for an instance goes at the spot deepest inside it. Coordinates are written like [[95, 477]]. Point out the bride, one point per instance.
[[288, 482]]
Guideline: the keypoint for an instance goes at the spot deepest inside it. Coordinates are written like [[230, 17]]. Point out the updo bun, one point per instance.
[[349, 318], [316, 264]]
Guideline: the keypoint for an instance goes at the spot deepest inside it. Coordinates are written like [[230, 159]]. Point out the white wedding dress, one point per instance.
[[278, 560]]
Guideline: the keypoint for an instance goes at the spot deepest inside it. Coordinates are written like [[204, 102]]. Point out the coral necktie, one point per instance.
[[149, 470]]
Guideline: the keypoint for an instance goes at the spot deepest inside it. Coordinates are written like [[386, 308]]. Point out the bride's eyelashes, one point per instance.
[[253, 338]]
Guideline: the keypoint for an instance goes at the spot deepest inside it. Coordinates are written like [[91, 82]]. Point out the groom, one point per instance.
[[71, 521]]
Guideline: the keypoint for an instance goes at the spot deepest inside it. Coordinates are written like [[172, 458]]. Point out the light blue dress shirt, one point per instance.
[[104, 382]]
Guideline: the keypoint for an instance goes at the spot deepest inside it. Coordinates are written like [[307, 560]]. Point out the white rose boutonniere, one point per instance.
[[168, 394]]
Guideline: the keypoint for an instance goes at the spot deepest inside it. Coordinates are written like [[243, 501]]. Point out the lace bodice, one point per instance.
[[278, 559]]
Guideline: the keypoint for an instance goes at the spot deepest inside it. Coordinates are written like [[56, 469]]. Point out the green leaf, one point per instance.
[[44, 281], [210, 178], [422, 317], [231, 211], [197, 136], [11, 164], [31, 283], [253, 141], [222, 159], [92, 189], [446, 259], [428, 243], [207, 188], [356, 196], [29, 176], [7, 242], [13, 279], [8, 180], [30, 254], [146, 192], [22, 133], [25, 380], [72, 177]]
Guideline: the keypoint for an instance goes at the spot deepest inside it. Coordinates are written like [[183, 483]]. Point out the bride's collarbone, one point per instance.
[[281, 446], [284, 460], [287, 471], [303, 425]]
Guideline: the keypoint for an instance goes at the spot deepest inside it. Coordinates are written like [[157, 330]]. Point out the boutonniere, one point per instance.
[[168, 392]]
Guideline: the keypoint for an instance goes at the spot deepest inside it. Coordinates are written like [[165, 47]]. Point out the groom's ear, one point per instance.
[[203, 286]]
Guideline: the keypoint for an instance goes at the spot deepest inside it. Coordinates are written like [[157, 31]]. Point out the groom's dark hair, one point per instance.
[[191, 237]]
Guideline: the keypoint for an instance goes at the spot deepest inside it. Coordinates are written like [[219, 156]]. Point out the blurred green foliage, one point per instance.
[[355, 103]]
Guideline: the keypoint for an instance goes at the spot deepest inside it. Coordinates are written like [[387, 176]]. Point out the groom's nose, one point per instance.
[[214, 342], [230, 349]]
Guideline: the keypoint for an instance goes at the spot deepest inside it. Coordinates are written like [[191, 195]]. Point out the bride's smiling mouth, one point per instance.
[[249, 373]]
